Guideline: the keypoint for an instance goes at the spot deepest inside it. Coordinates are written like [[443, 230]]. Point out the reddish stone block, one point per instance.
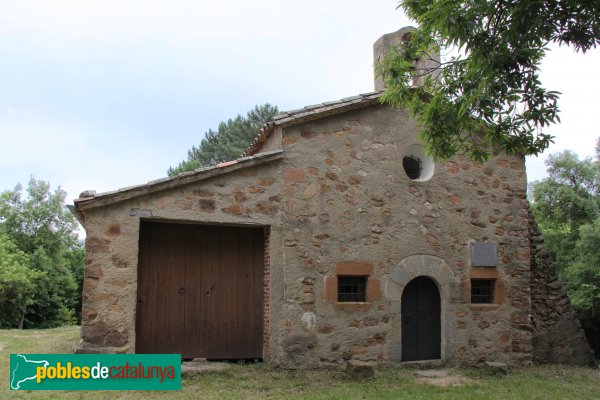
[[184, 204], [331, 176], [113, 230], [288, 140], [206, 205], [374, 289], [351, 200], [325, 329], [432, 240], [204, 193], [119, 262], [266, 181], [94, 244], [354, 179], [256, 190], [93, 271], [313, 171], [428, 219], [341, 187], [234, 209], [307, 134], [239, 195], [293, 174], [265, 207], [452, 167], [330, 289], [453, 199], [357, 268]]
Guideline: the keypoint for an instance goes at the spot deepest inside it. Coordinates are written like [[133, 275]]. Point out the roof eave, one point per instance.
[[109, 198]]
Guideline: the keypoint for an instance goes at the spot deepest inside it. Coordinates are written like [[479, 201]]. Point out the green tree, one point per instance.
[[489, 96], [228, 142], [583, 275], [41, 227], [17, 284], [566, 205], [564, 201], [569, 195]]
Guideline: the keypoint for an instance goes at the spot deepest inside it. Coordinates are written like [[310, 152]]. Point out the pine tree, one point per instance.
[[228, 142]]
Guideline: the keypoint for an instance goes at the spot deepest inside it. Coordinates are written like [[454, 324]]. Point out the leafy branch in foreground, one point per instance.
[[489, 97]]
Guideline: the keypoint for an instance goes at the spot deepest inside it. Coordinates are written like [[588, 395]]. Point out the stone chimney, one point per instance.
[[384, 43]]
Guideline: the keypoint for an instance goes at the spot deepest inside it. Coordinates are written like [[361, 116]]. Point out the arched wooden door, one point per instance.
[[421, 316]]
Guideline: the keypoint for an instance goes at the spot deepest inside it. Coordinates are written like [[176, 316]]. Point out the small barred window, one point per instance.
[[482, 291], [352, 288]]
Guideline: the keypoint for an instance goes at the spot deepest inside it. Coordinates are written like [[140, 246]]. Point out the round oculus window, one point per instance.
[[417, 166]]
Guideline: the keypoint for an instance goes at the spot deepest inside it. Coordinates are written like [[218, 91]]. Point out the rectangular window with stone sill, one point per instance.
[[482, 291], [352, 289]]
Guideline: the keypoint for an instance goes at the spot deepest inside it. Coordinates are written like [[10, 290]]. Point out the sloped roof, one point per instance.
[[91, 199], [311, 113]]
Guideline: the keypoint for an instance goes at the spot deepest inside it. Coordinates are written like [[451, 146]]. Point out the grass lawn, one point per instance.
[[260, 381]]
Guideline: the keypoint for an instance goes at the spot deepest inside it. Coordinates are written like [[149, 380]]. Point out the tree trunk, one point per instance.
[[22, 319]]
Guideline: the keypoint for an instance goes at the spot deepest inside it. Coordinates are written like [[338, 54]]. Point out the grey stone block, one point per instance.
[[484, 254], [360, 369], [299, 344], [497, 368]]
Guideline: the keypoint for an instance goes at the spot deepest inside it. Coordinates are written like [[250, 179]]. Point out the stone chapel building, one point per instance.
[[333, 238]]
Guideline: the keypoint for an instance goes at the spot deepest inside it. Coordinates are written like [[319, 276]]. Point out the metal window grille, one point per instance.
[[482, 291], [412, 166], [352, 288]]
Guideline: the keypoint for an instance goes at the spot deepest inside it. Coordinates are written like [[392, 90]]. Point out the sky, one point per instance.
[[107, 94]]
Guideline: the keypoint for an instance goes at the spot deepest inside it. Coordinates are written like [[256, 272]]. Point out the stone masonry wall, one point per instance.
[[558, 336], [349, 208], [340, 203], [250, 196]]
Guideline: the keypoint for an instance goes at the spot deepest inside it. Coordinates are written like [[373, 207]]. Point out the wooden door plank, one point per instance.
[[428, 310], [193, 291], [170, 289], [410, 326], [160, 321]]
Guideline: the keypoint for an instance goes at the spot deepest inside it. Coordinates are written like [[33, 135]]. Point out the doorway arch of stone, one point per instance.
[[421, 319], [449, 286]]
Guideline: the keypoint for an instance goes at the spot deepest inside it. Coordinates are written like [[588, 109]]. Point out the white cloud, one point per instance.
[[103, 94]]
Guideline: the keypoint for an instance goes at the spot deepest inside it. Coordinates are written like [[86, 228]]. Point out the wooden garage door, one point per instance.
[[421, 322], [200, 291]]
